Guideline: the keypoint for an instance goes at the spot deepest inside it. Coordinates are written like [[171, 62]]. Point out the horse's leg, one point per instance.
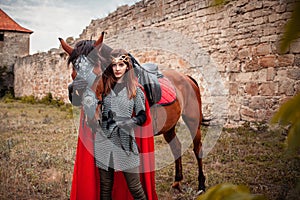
[[193, 124], [175, 146]]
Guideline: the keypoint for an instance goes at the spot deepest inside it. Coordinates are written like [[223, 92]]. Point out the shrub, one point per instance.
[[48, 99], [29, 99]]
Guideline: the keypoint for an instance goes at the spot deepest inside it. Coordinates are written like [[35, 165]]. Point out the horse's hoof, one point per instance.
[[200, 192], [176, 185]]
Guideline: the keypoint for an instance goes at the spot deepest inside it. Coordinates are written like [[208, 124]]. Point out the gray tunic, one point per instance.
[[116, 147]]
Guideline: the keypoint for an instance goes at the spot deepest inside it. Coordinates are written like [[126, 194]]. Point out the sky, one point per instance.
[[50, 19]]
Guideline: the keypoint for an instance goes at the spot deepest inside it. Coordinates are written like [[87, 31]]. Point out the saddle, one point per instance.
[[148, 75], [158, 89], [153, 69]]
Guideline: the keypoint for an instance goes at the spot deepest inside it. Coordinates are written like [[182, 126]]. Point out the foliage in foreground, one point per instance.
[[228, 191], [289, 115]]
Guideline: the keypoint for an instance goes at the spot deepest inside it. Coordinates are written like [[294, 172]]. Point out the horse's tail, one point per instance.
[[204, 121]]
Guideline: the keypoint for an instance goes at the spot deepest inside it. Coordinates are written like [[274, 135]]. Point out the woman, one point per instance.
[[85, 181], [123, 108]]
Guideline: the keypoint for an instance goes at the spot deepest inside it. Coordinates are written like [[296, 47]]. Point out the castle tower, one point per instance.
[[14, 43], [14, 40]]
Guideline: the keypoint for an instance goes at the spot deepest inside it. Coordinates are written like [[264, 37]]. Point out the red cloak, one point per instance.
[[86, 180]]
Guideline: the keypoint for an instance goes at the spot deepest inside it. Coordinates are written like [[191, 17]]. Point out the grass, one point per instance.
[[36, 151], [38, 142]]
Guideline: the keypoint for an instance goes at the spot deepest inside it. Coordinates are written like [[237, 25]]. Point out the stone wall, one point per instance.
[[15, 44], [42, 73], [230, 50]]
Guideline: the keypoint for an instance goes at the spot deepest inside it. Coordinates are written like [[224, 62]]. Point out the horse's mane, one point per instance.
[[95, 54]]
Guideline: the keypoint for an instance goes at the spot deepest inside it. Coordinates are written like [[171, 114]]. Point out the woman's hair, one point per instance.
[[109, 79]]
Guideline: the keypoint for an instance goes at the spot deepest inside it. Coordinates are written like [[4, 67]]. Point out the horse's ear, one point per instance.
[[65, 46], [98, 43]]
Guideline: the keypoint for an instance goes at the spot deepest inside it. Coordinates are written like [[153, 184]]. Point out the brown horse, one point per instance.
[[186, 105]]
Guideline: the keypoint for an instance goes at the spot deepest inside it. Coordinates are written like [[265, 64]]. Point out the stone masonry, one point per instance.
[[42, 73], [16, 44], [230, 50]]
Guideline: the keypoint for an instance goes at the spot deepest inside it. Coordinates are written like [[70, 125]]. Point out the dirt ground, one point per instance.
[[38, 143]]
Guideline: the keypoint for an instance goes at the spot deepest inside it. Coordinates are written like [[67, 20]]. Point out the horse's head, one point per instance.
[[88, 58], [87, 51]]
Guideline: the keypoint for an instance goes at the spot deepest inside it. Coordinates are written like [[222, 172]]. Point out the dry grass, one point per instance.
[[36, 151], [243, 156], [37, 148]]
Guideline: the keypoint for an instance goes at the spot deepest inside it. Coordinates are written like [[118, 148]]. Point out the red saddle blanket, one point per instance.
[[168, 93]]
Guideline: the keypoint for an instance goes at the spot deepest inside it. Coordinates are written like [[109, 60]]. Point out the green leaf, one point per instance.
[[289, 112], [292, 28], [228, 191], [293, 139], [219, 2]]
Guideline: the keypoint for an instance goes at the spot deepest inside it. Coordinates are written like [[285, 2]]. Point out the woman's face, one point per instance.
[[119, 69]]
